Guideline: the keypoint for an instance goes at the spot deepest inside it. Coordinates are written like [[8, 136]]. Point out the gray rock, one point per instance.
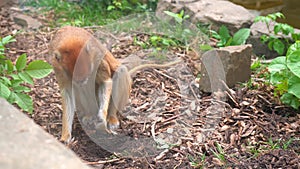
[[25, 145], [26, 21], [216, 12], [229, 64]]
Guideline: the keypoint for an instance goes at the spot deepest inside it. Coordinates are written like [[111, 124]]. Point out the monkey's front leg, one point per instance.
[[104, 93], [67, 116]]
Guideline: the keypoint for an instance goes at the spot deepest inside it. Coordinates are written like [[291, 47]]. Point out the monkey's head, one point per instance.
[[75, 52]]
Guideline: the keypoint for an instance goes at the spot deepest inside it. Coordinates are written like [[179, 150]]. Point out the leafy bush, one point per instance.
[[225, 39], [285, 76], [14, 78], [278, 39]]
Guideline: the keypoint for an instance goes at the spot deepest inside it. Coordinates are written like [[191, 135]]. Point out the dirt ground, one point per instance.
[[252, 121]]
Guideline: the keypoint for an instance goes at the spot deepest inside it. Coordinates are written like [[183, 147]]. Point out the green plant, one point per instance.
[[157, 41], [285, 76], [197, 162], [225, 39], [220, 154], [278, 37], [91, 12], [15, 79], [179, 17]]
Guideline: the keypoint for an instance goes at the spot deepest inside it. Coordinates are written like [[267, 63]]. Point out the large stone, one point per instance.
[[216, 12], [229, 64], [25, 145], [26, 21]]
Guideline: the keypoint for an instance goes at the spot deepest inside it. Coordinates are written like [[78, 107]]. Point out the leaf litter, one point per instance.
[[253, 129]]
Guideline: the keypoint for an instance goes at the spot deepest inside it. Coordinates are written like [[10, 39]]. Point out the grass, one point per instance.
[[88, 12]]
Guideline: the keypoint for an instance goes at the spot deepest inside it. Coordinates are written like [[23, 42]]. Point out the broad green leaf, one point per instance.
[[11, 99], [19, 89], [241, 36], [286, 29], [14, 76], [4, 91], [38, 69], [15, 83], [26, 78], [5, 80], [278, 46], [224, 33], [294, 86], [277, 78], [24, 102], [293, 47], [229, 42], [290, 100], [21, 62], [293, 62], [277, 64]]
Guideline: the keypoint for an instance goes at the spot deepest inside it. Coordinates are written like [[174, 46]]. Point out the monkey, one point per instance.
[[71, 45]]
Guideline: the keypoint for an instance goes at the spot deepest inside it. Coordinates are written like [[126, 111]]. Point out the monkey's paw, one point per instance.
[[113, 124]]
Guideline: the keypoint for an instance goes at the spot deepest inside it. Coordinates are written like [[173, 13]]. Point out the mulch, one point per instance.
[[247, 129]]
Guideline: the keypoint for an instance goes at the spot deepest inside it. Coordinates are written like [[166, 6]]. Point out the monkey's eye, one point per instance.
[[57, 56]]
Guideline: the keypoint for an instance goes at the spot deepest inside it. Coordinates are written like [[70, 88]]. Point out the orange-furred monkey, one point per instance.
[[72, 45]]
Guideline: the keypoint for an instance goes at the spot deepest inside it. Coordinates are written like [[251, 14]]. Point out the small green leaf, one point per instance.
[[214, 34], [296, 36], [15, 77], [21, 62], [10, 66], [19, 89], [277, 28], [26, 78], [206, 47], [278, 46], [224, 33], [38, 69], [5, 80], [15, 83], [174, 15], [4, 91], [7, 40], [24, 102], [229, 42], [241, 36]]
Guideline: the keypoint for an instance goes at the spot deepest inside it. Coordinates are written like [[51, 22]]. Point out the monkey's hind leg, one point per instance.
[[119, 97], [104, 93]]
